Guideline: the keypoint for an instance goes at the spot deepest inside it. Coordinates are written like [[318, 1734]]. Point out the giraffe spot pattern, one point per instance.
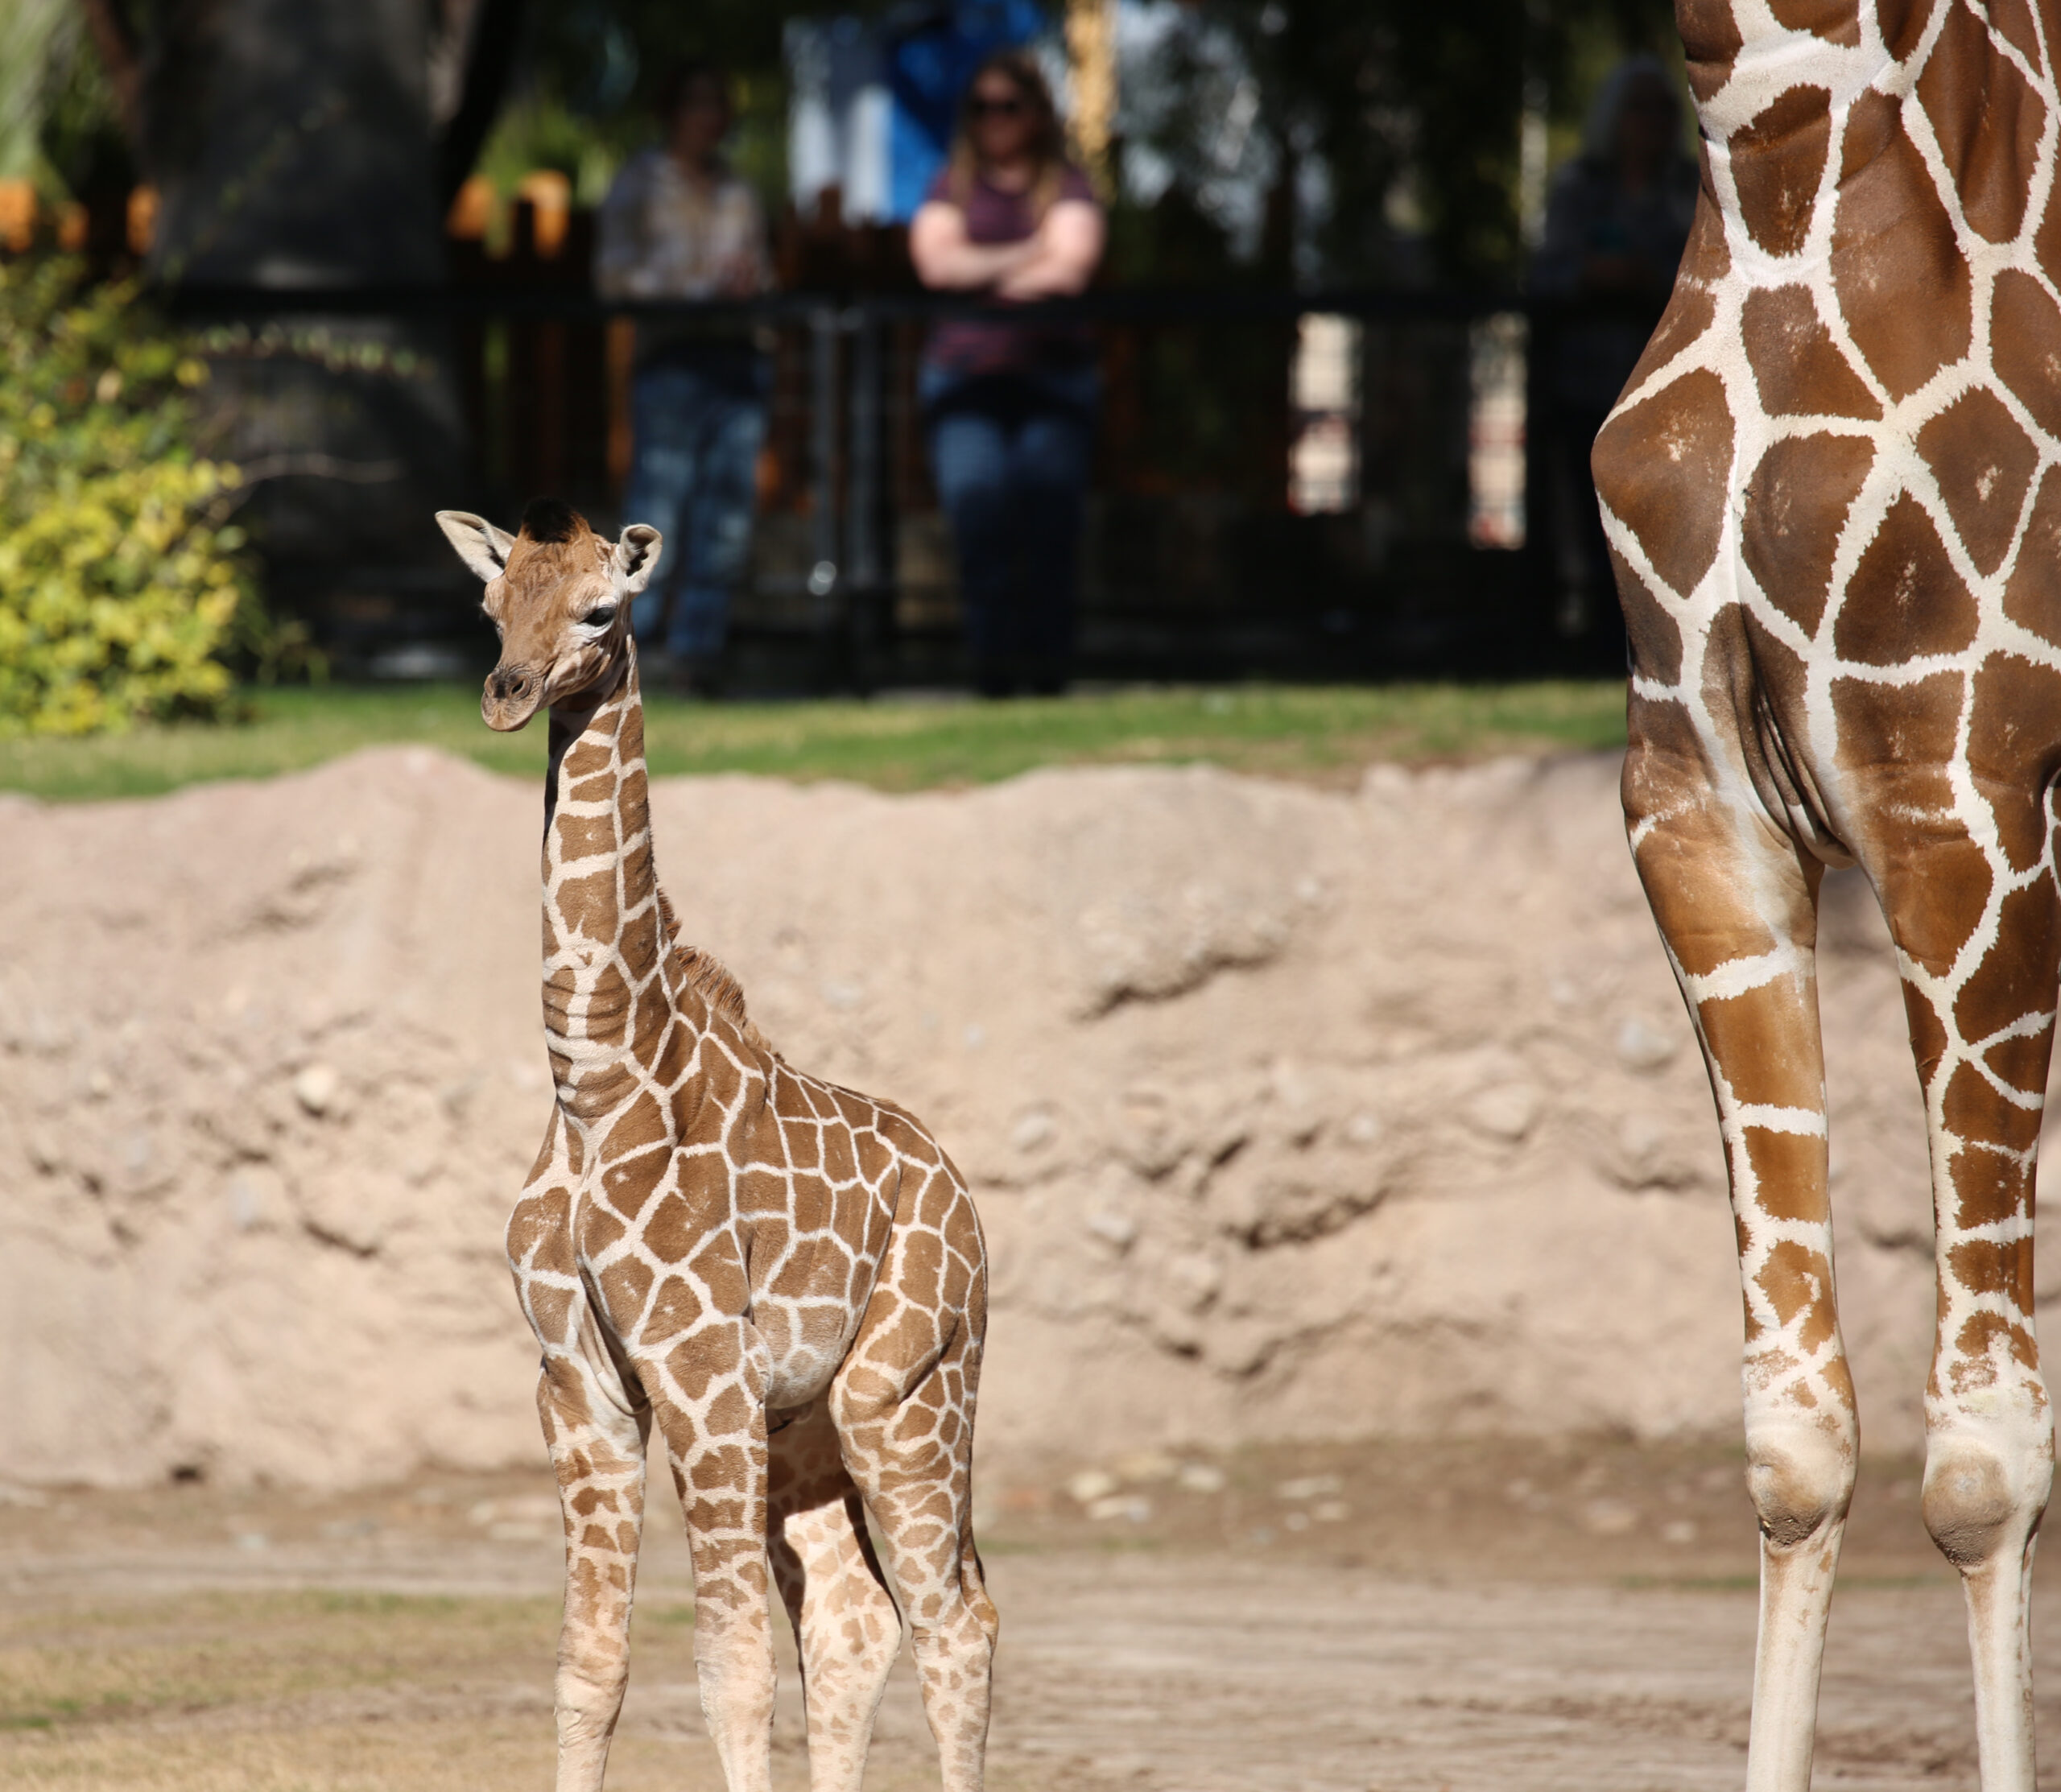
[[1797, 366], [1844, 606], [783, 1281], [1836, 21], [1984, 463], [1777, 177], [1891, 233], [1664, 461], [1710, 42], [1987, 122], [1905, 601], [1797, 501]]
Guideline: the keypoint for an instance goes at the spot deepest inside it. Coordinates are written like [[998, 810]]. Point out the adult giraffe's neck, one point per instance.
[[605, 944]]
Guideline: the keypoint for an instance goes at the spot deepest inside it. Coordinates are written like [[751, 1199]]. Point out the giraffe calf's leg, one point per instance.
[[910, 1448], [597, 1444], [707, 1396], [846, 1623]]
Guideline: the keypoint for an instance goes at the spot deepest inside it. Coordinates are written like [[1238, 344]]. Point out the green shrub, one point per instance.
[[121, 581]]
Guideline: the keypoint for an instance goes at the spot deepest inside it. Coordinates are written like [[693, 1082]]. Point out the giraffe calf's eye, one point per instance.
[[601, 618]]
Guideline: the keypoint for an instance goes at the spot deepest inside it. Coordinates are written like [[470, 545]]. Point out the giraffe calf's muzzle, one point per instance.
[[510, 697]]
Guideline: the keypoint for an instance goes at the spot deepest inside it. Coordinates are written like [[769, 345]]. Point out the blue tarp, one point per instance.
[[928, 66], [875, 102]]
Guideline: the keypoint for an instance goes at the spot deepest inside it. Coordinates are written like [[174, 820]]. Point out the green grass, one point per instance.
[[213, 1650], [1323, 732]]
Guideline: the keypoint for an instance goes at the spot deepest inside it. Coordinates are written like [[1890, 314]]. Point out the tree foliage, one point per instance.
[[1413, 112], [122, 583]]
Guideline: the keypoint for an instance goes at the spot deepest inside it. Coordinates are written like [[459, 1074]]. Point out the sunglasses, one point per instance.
[[984, 108]]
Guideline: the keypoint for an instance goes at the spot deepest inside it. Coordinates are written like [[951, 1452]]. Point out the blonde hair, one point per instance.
[[1048, 141]]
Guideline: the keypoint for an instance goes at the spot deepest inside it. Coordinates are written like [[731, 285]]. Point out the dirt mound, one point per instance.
[[1290, 1113]]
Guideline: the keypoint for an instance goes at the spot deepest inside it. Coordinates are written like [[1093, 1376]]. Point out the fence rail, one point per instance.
[[1350, 481]]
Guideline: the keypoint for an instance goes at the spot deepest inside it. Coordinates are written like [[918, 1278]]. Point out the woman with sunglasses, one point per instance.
[[1011, 405]]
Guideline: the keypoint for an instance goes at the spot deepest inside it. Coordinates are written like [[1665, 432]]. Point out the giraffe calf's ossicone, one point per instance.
[[784, 1280]]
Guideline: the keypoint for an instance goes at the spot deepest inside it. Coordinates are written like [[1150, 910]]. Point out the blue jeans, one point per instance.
[[1012, 454], [699, 422]]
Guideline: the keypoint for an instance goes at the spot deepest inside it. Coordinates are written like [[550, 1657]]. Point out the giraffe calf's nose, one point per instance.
[[501, 686]]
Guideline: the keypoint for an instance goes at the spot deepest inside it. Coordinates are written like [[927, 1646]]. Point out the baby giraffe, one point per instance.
[[788, 1279]]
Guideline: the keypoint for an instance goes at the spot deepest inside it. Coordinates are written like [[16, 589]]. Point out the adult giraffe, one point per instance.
[[1833, 490], [785, 1278]]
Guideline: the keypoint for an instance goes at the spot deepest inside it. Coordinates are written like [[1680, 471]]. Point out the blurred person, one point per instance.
[[679, 223], [1617, 219], [1011, 405]]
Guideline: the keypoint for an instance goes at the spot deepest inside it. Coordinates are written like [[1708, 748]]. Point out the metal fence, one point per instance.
[[1346, 484]]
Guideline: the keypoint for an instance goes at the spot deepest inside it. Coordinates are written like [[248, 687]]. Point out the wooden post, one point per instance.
[[1091, 47]]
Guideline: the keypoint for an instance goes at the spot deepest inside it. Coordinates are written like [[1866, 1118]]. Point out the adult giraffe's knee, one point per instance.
[[1984, 1497], [1800, 1478]]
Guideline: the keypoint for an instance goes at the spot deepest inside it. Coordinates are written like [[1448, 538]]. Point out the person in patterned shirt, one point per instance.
[[1011, 405], [679, 223]]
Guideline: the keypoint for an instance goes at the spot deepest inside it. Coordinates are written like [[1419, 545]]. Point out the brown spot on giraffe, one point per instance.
[[1892, 232], [1987, 122], [1778, 161], [1798, 1282], [712, 1237], [1789, 1171], [1797, 368], [1905, 601], [1836, 21], [1797, 502], [1983, 462], [2024, 325], [1710, 41], [1666, 450], [2029, 599]]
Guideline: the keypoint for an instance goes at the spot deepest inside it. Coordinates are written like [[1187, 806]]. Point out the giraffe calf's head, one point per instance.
[[559, 595]]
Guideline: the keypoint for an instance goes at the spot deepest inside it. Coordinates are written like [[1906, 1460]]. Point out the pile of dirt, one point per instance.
[[1290, 1113]]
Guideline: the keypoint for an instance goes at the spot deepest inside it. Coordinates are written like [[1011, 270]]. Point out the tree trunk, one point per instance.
[[291, 145], [289, 141]]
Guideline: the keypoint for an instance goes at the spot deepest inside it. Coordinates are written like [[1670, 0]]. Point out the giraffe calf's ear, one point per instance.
[[481, 546], [636, 555]]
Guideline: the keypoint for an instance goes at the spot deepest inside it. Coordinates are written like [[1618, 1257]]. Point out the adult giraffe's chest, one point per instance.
[[1849, 420]]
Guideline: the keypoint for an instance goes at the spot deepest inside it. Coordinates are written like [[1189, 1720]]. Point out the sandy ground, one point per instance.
[[1372, 1618], [1295, 1116], [1290, 1113]]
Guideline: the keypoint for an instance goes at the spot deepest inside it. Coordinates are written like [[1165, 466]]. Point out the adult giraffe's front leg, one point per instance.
[[1736, 901], [1979, 937]]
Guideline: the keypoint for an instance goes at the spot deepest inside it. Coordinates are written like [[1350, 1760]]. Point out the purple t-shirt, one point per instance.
[[971, 347]]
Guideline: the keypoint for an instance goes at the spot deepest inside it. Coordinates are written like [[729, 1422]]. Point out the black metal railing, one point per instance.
[[1199, 564]]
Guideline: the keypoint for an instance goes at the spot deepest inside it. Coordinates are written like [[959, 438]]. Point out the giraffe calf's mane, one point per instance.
[[706, 974]]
